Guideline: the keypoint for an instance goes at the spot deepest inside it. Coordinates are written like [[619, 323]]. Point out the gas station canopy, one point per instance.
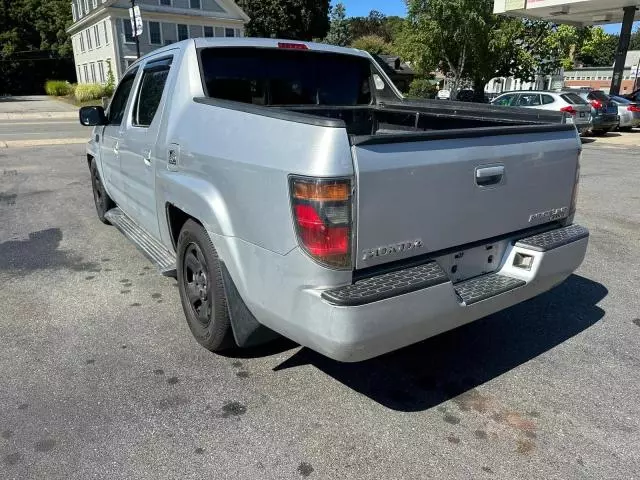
[[572, 12]]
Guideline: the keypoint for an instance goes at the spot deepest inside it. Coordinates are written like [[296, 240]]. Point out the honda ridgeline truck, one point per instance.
[[291, 189]]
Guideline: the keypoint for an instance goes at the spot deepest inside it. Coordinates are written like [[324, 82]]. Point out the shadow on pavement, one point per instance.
[[424, 375], [588, 140]]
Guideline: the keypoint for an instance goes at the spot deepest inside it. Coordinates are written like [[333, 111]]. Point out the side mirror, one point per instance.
[[92, 116]]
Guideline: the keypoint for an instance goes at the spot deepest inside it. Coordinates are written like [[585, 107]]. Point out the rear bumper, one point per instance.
[[605, 121], [368, 329]]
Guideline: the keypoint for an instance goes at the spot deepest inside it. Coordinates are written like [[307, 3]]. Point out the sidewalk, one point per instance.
[[35, 107]]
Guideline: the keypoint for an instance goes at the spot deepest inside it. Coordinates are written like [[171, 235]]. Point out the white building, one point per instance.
[[101, 33]]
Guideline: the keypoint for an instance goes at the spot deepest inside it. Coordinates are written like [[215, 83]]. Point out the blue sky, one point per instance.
[[361, 8]]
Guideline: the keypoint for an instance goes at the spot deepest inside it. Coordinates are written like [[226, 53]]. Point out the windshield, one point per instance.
[[286, 77]]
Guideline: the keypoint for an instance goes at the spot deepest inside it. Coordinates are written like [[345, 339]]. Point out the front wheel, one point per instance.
[[100, 197], [201, 289]]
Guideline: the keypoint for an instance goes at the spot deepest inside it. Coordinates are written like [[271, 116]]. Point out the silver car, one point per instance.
[[564, 101], [629, 113]]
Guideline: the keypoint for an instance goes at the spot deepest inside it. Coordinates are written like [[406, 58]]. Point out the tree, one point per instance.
[[339, 33], [598, 49], [373, 44], [290, 19], [447, 31]]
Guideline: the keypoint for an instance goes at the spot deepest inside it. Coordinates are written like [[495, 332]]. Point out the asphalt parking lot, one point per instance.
[[100, 377]]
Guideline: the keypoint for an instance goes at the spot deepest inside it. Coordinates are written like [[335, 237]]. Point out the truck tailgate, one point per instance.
[[417, 195]]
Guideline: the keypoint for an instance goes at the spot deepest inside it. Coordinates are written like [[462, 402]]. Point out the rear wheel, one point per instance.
[[201, 289], [100, 197]]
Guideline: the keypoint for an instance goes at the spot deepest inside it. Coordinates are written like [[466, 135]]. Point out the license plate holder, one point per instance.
[[473, 262]]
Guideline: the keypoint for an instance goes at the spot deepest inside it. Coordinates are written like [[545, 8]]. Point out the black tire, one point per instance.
[[100, 197], [201, 289], [625, 129], [599, 133]]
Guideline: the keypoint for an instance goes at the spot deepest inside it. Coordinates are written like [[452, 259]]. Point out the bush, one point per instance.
[[57, 88], [422, 88], [90, 91], [373, 44]]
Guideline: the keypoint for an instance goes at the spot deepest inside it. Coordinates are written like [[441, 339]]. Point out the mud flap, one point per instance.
[[247, 331]]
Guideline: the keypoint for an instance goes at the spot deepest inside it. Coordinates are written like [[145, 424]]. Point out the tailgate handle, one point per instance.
[[488, 176]]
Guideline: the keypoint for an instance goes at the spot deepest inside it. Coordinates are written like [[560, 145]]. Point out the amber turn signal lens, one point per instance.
[[322, 192]]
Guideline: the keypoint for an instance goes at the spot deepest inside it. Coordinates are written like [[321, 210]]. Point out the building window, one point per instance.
[[128, 32], [86, 6], [73, 12], [86, 73], [238, 32], [101, 71], [79, 75], [93, 72], [208, 32], [165, 2], [195, 4], [95, 3], [82, 49], [89, 41], [96, 32], [219, 32], [155, 33], [106, 33], [229, 32], [128, 62], [183, 32]]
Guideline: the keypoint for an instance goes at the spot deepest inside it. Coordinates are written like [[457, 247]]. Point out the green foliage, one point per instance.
[[57, 88], [290, 19], [90, 91], [598, 49], [375, 24], [373, 44], [110, 86], [339, 33], [422, 88]]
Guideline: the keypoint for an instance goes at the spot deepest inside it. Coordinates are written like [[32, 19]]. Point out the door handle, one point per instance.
[[116, 148], [488, 176], [146, 156]]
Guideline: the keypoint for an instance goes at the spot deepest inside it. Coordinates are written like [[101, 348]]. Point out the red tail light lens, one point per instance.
[[569, 110], [597, 104], [322, 216], [293, 46], [634, 108]]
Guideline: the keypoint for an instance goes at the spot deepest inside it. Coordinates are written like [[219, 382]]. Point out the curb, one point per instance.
[[41, 142], [38, 115]]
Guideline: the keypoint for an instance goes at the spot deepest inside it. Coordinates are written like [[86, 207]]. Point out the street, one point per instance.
[[101, 378]]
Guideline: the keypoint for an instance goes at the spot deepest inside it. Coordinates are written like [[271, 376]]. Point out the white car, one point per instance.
[[568, 102]]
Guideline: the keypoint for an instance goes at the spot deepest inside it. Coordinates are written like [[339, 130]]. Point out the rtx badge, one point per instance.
[[549, 215], [389, 250]]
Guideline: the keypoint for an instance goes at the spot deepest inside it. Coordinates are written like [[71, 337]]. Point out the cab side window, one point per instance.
[[505, 100], [119, 102], [154, 80]]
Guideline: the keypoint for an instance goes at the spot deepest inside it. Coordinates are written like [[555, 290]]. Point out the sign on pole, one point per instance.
[[136, 21]]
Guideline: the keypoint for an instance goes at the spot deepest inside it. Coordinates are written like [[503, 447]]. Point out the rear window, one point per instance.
[[573, 99], [285, 77], [598, 95]]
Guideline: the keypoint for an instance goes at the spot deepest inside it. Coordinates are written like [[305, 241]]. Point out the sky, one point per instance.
[[361, 8]]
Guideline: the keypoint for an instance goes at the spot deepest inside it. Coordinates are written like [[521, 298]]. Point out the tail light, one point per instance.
[[597, 104], [634, 108], [322, 211], [570, 110], [292, 46]]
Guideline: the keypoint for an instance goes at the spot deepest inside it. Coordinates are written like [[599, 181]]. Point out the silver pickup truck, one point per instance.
[[291, 189]]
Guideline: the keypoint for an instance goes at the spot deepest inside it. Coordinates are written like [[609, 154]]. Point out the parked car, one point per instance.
[[629, 113], [604, 112], [633, 96], [290, 188], [579, 110]]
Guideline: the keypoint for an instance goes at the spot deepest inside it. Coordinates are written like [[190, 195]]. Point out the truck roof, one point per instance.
[[257, 43]]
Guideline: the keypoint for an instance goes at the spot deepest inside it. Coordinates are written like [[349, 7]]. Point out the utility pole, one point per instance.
[[623, 48], [134, 28]]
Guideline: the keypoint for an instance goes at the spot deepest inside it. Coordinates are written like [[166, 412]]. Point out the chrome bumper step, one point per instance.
[[164, 260], [487, 286]]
